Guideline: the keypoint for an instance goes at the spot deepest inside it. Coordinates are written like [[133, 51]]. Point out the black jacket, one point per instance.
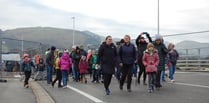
[[50, 59], [142, 46], [107, 56]]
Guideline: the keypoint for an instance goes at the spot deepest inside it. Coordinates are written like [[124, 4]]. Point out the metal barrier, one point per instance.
[[15, 46]]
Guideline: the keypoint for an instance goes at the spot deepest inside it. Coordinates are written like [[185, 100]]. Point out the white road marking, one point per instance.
[[86, 94], [193, 85]]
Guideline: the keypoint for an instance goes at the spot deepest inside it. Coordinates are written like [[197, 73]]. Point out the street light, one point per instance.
[[158, 17], [73, 30]]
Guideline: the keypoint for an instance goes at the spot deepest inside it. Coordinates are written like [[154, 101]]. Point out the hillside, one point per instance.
[[62, 38]]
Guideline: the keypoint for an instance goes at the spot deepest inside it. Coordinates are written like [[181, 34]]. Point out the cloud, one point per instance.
[[110, 16]]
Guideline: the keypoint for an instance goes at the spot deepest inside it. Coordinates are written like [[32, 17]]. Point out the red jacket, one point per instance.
[[150, 61], [83, 65]]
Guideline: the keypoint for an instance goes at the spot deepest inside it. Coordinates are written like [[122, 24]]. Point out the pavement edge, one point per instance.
[[41, 95]]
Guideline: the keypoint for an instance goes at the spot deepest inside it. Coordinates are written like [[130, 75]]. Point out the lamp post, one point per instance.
[[73, 30], [158, 16]]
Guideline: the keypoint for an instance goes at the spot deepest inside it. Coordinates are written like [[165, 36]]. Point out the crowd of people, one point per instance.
[[121, 59]]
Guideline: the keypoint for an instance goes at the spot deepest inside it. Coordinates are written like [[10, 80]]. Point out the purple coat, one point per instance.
[[65, 62]]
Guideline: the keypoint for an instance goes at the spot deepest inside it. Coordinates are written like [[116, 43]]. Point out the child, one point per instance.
[[83, 65], [95, 69], [173, 57], [27, 68], [40, 66], [65, 63], [151, 60]]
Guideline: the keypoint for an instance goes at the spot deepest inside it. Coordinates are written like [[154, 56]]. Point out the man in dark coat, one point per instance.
[[107, 55], [50, 63]]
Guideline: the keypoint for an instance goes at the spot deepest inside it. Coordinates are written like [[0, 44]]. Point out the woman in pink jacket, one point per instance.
[[65, 63], [151, 60]]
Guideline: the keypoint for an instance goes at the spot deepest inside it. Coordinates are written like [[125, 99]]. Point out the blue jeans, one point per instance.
[[118, 73], [162, 77], [73, 71], [49, 70], [134, 70], [172, 70], [64, 77]]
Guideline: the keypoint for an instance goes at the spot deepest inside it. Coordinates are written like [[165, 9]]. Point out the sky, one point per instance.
[[111, 17]]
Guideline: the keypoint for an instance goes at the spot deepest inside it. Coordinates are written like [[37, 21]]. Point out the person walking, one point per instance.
[[50, 63], [76, 58], [107, 55], [150, 60], [173, 56], [162, 52], [58, 71], [41, 68], [141, 46], [65, 63], [27, 68], [95, 68], [127, 55], [83, 66]]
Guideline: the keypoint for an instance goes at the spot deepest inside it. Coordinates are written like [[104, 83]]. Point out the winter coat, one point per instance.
[[141, 46], [150, 61], [56, 63], [162, 52], [50, 59], [107, 56], [127, 54], [65, 62], [76, 58], [27, 66], [41, 64], [83, 66], [173, 56], [94, 61]]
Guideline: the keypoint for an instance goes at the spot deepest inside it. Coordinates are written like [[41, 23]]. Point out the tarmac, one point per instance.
[[13, 91]]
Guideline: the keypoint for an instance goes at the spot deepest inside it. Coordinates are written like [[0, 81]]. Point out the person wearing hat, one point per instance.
[[141, 46], [50, 63], [162, 52], [27, 68], [76, 56], [150, 60]]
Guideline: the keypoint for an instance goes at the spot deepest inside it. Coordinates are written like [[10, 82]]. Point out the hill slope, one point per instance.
[[62, 38]]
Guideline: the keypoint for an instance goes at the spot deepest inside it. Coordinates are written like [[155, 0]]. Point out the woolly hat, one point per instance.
[[74, 47], [150, 45], [25, 55], [158, 37], [77, 48], [53, 48]]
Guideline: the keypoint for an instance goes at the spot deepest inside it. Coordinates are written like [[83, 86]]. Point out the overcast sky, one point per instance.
[[113, 17]]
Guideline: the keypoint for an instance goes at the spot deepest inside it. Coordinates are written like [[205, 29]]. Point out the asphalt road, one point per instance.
[[190, 87], [14, 92]]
